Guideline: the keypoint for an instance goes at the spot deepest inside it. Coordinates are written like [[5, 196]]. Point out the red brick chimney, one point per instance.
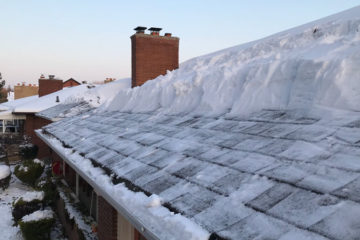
[[50, 85], [152, 55]]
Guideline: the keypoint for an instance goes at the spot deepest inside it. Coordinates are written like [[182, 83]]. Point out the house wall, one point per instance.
[[70, 177], [70, 228], [25, 91], [107, 220], [125, 230], [47, 86], [32, 123], [152, 55]]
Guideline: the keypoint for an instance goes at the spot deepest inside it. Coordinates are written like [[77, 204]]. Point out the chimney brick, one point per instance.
[[152, 55], [47, 86]]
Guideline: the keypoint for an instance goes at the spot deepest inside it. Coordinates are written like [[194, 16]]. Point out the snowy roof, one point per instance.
[[15, 103], [65, 110], [94, 95], [279, 174], [296, 68], [200, 138], [41, 103], [84, 101]]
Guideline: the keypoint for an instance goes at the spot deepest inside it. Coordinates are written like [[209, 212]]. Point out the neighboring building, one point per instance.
[[108, 80], [49, 85], [22, 90], [71, 83], [152, 55], [11, 122]]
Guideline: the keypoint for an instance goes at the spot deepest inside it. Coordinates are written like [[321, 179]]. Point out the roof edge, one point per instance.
[[147, 233]]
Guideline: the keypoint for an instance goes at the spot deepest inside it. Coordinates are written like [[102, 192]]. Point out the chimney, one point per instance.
[[155, 31], [140, 29], [152, 55], [50, 85]]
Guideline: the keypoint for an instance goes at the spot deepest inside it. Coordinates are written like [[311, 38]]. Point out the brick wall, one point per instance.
[[107, 220], [32, 123], [47, 86], [70, 228], [152, 56]]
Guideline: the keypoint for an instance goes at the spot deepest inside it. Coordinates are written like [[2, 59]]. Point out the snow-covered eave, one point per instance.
[[98, 189], [8, 115], [147, 229]]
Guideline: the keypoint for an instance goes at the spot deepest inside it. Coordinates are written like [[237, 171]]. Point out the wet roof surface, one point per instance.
[[273, 175]]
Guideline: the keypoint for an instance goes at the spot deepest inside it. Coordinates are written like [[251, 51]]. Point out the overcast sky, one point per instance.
[[89, 40]]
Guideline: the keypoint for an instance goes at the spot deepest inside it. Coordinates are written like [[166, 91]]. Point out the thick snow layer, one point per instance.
[[18, 102], [40, 103], [4, 171], [31, 196], [95, 95], [103, 94], [312, 65], [38, 215]]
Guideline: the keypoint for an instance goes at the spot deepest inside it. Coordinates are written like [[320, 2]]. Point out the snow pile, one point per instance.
[[103, 94], [23, 168], [314, 65], [39, 162], [38, 215], [4, 171], [31, 196]]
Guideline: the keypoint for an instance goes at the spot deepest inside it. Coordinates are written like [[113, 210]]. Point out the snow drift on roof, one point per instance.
[[312, 65], [94, 95]]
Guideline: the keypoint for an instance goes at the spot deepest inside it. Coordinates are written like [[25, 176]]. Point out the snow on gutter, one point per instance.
[[176, 223]]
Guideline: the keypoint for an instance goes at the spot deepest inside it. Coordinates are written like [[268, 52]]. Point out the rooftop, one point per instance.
[[279, 174]]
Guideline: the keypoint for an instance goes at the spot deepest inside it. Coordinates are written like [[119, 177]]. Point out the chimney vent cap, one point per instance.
[[140, 29], [155, 29]]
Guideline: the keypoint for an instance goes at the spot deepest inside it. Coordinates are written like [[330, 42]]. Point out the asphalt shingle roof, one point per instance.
[[273, 175]]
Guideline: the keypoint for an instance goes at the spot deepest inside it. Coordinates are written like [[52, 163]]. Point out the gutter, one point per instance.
[[146, 232]]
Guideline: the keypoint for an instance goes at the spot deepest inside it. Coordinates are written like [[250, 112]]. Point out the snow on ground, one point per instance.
[[4, 171], [309, 66], [15, 190]]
